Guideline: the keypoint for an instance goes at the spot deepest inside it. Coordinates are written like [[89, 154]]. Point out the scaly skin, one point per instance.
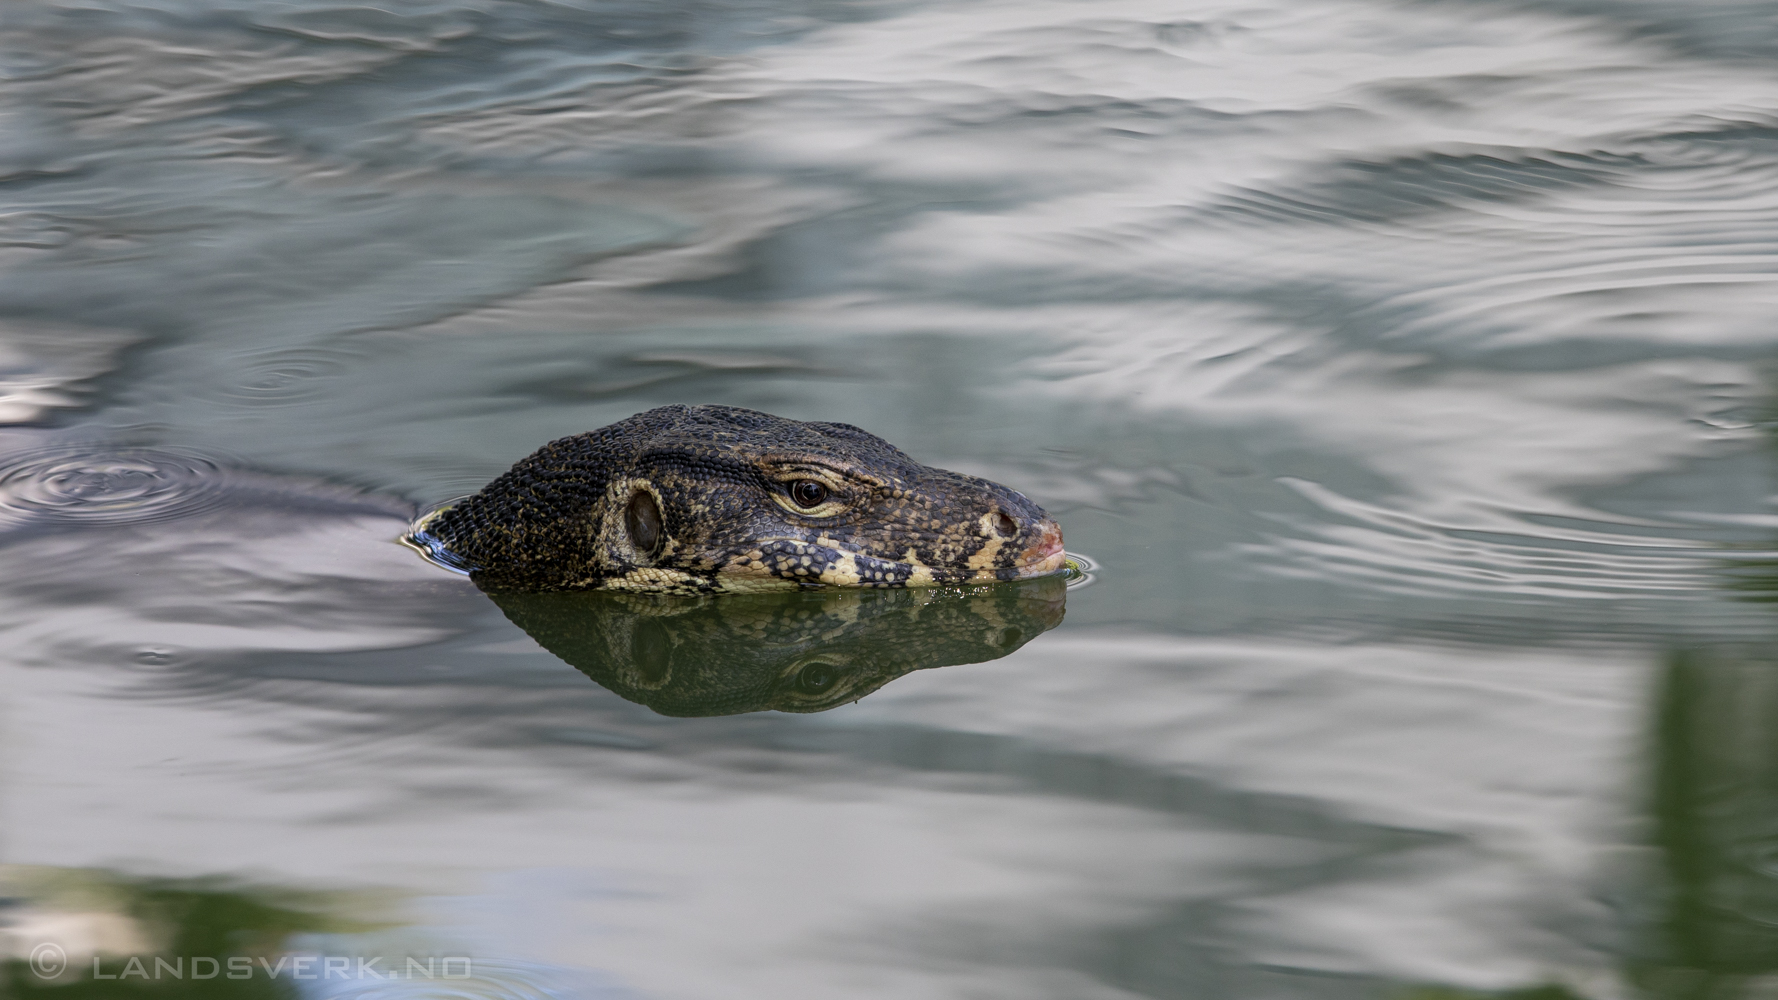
[[722, 482]]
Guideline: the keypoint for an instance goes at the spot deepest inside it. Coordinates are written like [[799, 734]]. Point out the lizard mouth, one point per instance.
[[1045, 555]]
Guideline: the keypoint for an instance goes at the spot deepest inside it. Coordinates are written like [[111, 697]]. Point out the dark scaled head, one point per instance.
[[708, 499], [790, 652]]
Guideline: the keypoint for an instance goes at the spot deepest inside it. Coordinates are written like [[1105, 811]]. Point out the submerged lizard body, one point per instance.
[[708, 499]]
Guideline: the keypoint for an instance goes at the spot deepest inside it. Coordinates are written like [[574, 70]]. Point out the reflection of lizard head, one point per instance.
[[804, 651]]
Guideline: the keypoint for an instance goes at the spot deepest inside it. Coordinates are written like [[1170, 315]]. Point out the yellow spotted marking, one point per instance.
[[653, 579], [989, 553], [843, 572], [747, 574]]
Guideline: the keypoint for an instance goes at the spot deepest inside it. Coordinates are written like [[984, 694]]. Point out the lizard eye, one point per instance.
[[816, 678], [807, 493]]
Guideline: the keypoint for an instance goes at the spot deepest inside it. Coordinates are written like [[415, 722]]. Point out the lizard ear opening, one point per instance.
[[642, 519]]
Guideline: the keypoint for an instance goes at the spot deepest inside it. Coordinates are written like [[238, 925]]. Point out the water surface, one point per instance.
[[1404, 367]]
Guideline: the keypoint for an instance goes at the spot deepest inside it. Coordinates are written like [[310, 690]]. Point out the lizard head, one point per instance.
[[713, 498]]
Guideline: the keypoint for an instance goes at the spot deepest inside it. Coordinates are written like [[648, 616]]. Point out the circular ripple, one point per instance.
[[284, 376], [107, 487], [1080, 570]]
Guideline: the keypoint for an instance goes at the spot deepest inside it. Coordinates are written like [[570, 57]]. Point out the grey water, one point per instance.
[[1404, 367]]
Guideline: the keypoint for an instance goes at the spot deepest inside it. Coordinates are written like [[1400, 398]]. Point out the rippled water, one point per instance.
[[1403, 366]]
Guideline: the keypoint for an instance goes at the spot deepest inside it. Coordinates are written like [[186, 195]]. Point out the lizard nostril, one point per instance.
[[1005, 526]]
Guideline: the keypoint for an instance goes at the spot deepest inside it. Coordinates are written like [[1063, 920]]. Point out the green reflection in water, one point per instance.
[[804, 651], [124, 924], [1708, 929], [1712, 933], [1531, 993], [1715, 823]]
